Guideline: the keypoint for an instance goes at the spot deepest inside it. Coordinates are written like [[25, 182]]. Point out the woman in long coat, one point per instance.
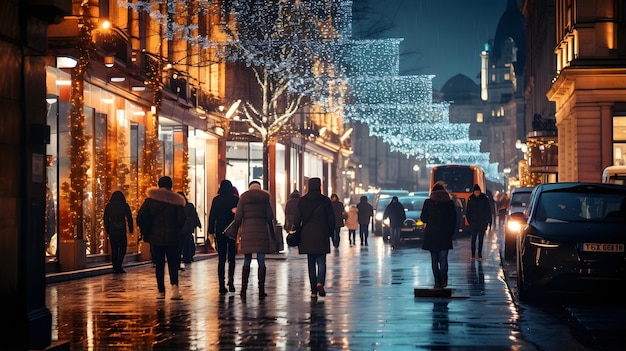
[[118, 217], [256, 216], [439, 214], [315, 219]]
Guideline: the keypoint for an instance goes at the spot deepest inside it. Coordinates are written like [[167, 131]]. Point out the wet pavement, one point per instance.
[[369, 305]]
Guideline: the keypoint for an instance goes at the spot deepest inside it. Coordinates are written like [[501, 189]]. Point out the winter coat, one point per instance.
[[478, 212], [339, 212], [161, 217], [315, 218], [396, 214], [191, 219], [117, 215], [366, 211], [290, 209], [222, 212], [352, 223], [256, 216], [439, 214]]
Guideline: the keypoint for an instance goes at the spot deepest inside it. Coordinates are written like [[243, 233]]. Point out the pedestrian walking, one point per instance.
[[117, 218], [396, 214], [366, 212], [290, 209], [439, 215], [315, 219], [222, 212], [256, 216], [187, 244], [161, 218], [478, 216], [352, 223], [340, 215], [503, 202]]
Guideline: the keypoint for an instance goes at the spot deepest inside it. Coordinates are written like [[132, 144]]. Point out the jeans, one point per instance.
[[363, 232], [352, 236], [336, 237], [260, 258], [439, 263], [226, 251], [159, 253], [317, 270], [480, 235], [395, 236]]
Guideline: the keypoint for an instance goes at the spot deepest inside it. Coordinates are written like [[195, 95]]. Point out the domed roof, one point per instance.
[[460, 88], [510, 26]]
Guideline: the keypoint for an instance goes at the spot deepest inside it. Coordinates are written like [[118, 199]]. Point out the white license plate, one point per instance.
[[601, 247]]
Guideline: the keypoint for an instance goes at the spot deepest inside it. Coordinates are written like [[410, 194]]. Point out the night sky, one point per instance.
[[441, 37]]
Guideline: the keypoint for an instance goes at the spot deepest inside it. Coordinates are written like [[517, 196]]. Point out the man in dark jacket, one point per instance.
[[315, 219], [366, 211], [439, 214], [340, 216], [221, 214], [479, 217], [395, 212], [162, 215]]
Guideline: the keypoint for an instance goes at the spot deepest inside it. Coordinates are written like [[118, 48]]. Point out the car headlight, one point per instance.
[[514, 226], [541, 242], [379, 216], [386, 222]]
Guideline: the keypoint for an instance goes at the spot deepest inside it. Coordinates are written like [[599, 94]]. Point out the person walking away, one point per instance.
[[395, 212], [439, 214], [315, 219], [503, 203], [366, 212], [478, 216], [118, 217], [340, 216], [256, 216], [162, 214], [352, 223], [187, 244], [290, 210], [222, 212]]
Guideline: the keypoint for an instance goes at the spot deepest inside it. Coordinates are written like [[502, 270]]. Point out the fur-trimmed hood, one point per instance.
[[166, 195], [439, 196]]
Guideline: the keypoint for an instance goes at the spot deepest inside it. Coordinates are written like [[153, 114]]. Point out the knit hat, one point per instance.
[[476, 187], [438, 187], [165, 182]]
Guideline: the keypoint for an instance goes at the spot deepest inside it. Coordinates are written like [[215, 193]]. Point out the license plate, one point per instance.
[[601, 247]]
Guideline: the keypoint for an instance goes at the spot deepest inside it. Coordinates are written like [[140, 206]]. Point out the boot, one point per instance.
[[262, 293], [223, 289], [231, 274], [245, 274], [176, 295]]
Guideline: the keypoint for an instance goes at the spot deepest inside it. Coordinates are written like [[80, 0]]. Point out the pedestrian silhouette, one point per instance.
[[340, 216], [118, 218], [161, 218], [395, 212], [352, 223], [479, 217], [290, 209], [187, 244], [366, 212]]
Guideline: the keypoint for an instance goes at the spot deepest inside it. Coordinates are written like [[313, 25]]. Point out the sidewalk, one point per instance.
[[370, 305]]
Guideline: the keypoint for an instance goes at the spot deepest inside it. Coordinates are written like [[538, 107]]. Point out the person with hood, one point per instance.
[[340, 216], [396, 214], [290, 209], [478, 214], [192, 221], [439, 215], [352, 223], [315, 219], [118, 217], [161, 218], [366, 212], [255, 213], [222, 212]]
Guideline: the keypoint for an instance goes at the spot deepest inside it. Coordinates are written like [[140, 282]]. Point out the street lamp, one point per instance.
[[506, 172], [416, 169]]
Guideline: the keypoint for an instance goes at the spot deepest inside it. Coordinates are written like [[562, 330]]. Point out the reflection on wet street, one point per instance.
[[370, 305]]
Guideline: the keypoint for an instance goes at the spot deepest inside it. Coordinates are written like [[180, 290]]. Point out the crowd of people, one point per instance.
[[167, 220]]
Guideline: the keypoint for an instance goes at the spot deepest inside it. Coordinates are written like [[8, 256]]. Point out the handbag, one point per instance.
[[232, 229]]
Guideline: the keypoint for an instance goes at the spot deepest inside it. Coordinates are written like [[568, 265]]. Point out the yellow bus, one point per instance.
[[459, 180]]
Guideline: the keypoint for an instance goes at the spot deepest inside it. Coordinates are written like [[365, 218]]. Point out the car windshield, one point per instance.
[[520, 199], [412, 203], [558, 206]]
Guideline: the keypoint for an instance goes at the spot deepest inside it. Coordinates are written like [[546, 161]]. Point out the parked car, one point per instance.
[[385, 196], [573, 240], [514, 220], [412, 227]]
